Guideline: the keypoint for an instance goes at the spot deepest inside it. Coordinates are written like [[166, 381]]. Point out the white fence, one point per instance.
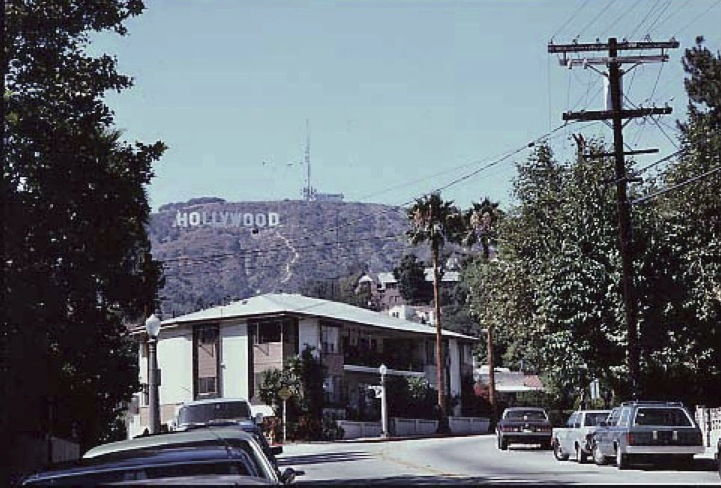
[[413, 427], [410, 427], [709, 421], [468, 425], [354, 430]]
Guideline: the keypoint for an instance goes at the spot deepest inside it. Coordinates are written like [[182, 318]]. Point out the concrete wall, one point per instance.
[[355, 430], [234, 355], [455, 370], [175, 360]]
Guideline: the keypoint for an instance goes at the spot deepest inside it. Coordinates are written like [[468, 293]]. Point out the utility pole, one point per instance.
[[617, 114]]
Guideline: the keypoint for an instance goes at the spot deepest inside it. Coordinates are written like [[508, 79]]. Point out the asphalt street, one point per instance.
[[469, 460]]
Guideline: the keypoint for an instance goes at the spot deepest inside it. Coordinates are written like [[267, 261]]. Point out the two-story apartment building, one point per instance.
[[223, 351]]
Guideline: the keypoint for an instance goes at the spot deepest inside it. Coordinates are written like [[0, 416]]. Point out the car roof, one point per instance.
[[195, 436], [134, 459], [510, 409], [215, 400]]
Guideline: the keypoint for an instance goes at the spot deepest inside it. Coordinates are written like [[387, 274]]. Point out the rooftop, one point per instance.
[[281, 303]]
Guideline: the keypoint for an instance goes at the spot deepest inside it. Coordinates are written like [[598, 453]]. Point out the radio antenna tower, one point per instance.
[[308, 191]]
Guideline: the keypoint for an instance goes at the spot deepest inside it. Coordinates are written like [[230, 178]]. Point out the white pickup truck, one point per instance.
[[577, 435]]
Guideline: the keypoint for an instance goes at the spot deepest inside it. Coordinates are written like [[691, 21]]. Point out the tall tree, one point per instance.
[[75, 249], [481, 222], [412, 283], [435, 222]]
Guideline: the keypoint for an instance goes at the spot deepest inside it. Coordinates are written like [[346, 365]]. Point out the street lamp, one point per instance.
[[152, 326], [383, 370]]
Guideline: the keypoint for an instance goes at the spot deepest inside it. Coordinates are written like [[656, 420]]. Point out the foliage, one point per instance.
[[76, 253], [411, 397], [554, 295], [482, 221], [303, 375], [412, 283]]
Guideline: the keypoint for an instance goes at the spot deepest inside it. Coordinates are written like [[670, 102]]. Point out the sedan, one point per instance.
[[524, 425]]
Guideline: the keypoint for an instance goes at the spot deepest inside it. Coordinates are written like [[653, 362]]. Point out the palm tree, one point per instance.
[[436, 222], [482, 219]]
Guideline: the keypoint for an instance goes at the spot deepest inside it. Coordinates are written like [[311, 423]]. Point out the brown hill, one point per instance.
[[215, 250]]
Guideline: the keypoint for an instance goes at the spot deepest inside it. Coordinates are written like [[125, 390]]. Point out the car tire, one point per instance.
[[622, 460], [558, 453], [546, 445], [502, 443], [581, 456], [598, 458]]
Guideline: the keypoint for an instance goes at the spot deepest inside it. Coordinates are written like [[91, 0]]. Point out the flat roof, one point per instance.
[[283, 303]]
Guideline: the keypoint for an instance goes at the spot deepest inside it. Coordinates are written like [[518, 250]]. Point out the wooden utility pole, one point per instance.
[[617, 114]]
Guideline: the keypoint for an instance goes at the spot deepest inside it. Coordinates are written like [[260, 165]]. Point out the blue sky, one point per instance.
[[402, 96]]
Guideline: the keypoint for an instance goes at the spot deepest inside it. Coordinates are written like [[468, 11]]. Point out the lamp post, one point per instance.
[[383, 370], [152, 326]]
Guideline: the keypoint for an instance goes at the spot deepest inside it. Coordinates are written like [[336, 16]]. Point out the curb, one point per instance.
[[370, 440]]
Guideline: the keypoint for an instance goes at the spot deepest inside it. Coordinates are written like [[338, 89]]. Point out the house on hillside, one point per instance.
[[508, 383], [223, 352], [383, 287]]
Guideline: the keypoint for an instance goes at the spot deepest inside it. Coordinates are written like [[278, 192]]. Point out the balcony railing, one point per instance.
[[392, 359]]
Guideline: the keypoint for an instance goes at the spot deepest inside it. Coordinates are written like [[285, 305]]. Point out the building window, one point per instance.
[[206, 361], [268, 331], [329, 338], [207, 387]]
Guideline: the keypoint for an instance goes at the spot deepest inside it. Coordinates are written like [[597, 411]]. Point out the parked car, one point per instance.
[[218, 464], [577, 436], [718, 456], [652, 431], [224, 412], [524, 425], [228, 436]]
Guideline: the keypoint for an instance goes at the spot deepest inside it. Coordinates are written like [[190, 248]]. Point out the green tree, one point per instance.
[[435, 222], [75, 264], [412, 283]]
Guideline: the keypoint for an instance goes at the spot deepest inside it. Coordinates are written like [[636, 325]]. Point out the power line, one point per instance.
[[718, 2], [676, 187], [575, 12]]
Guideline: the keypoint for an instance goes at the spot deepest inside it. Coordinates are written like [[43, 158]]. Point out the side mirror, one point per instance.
[[258, 419], [276, 450], [288, 476]]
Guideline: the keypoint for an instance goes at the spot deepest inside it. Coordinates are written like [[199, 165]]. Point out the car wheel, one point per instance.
[[557, 453], [621, 459], [502, 443], [581, 456], [598, 458], [546, 445]]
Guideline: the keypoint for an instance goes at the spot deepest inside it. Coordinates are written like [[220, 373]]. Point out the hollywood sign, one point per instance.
[[226, 219]]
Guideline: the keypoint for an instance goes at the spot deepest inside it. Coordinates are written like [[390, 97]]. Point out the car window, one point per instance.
[[613, 417], [594, 418], [206, 412], [625, 414], [526, 415], [571, 420], [671, 417]]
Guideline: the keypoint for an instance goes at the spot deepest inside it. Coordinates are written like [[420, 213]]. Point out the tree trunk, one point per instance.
[[491, 376], [440, 360]]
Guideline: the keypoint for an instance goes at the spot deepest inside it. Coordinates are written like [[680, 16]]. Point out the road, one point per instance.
[[467, 460]]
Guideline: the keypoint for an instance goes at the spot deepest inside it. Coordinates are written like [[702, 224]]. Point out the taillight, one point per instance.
[[630, 439]]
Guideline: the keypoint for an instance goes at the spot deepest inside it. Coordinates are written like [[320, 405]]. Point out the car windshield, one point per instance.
[[206, 412], [671, 417], [595, 418], [526, 415], [230, 467]]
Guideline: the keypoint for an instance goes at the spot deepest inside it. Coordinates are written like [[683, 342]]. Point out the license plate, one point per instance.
[[527, 430]]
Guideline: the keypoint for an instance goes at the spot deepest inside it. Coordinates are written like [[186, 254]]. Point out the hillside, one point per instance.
[[215, 250]]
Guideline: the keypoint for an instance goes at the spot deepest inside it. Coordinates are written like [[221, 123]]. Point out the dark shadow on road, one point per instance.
[[697, 465], [429, 480], [326, 457]]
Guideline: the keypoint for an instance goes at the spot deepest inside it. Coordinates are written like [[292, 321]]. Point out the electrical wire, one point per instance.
[[718, 2], [573, 15], [676, 187]]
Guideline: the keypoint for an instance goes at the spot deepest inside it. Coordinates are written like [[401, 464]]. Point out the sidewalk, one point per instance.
[[367, 440]]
